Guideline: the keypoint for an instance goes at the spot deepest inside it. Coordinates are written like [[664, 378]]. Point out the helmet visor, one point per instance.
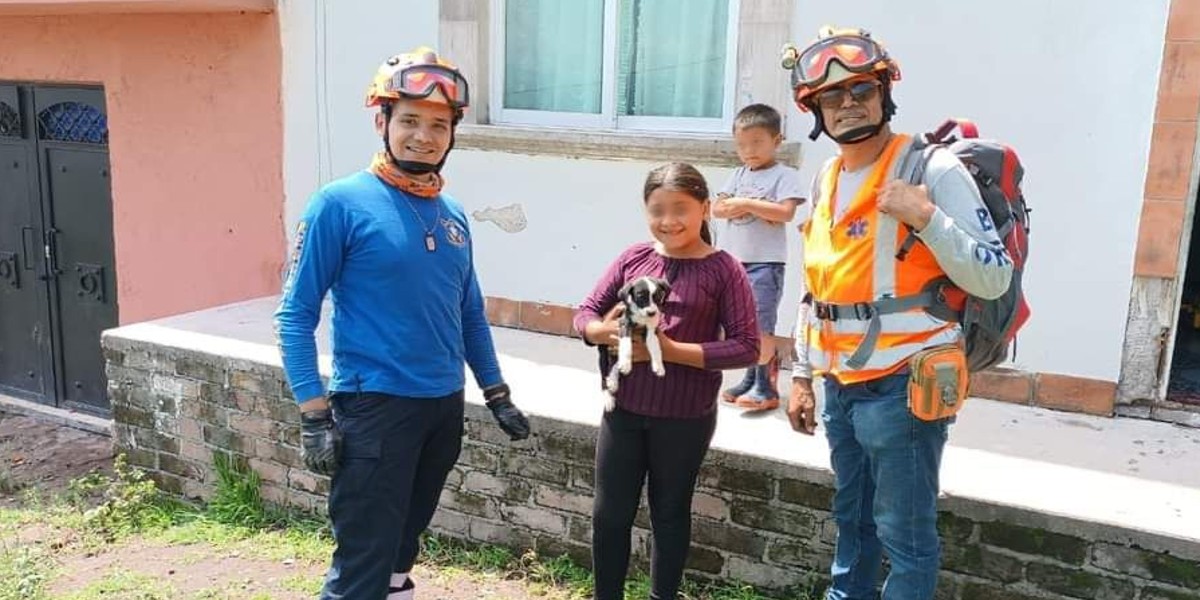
[[419, 81], [856, 54]]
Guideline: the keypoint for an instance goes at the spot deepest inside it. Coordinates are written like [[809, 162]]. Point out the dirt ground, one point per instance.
[[47, 456], [38, 454]]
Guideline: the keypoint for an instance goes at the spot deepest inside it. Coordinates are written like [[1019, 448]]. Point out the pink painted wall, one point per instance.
[[61, 7], [196, 145]]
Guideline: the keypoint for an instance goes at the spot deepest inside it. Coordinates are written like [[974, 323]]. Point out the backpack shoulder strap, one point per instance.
[[912, 166], [912, 171]]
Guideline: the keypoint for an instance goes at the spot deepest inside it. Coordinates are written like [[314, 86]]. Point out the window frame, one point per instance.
[[607, 119]]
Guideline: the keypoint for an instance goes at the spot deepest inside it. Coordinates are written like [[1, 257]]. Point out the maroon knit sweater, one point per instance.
[[709, 296]]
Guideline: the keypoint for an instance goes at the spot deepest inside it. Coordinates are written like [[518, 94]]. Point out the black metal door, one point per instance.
[[57, 270], [25, 340], [77, 203]]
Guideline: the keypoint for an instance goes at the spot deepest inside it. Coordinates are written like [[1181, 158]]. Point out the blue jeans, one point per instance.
[[885, 463], [766, 282]]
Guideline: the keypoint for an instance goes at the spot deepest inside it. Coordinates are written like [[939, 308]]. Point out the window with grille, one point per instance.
[[10, 121], [73, 122]]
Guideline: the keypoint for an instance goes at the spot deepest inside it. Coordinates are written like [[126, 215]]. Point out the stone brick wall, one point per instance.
[[172, 410], [759, 521]]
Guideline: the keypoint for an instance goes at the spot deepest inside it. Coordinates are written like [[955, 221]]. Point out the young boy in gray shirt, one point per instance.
[[753, 207]]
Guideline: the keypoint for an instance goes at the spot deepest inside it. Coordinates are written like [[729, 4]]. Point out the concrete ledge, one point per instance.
[[68, 418], [701, 149]]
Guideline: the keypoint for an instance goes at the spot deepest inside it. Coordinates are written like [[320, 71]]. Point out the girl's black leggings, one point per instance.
[[633, 448]]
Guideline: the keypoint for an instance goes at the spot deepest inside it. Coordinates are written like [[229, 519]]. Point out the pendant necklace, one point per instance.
[[430, 240]]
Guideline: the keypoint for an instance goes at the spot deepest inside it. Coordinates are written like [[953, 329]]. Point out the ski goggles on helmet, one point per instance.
[[419, 82], [856, 54]]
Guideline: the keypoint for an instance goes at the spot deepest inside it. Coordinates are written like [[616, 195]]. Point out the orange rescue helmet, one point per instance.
[[417, 75]]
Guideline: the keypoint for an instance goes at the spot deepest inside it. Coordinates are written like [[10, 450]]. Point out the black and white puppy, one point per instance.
[[643, 299]]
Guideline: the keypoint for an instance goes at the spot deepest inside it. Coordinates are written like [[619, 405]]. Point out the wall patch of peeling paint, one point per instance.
[[510, 219]]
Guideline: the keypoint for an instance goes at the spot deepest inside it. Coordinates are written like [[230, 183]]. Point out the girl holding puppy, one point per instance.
[[661, 427]]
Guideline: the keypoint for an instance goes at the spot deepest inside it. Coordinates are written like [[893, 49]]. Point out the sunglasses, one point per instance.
[[861, 92]]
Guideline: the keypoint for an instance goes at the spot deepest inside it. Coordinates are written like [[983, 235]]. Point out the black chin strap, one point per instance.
[[414, 167], [818, 124], [854, 136], [859, 134]]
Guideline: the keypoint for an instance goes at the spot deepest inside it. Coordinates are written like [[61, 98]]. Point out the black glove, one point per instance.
[[320, 441], [510, 418]]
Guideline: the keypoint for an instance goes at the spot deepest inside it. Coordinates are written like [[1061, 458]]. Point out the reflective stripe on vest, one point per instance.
[[852, 260]]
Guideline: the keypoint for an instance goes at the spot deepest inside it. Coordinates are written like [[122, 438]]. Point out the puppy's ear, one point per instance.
[[624, 291], [663, 287]]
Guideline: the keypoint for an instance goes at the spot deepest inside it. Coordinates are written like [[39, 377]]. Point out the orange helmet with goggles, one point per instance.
[[837, 55], [417, 75]]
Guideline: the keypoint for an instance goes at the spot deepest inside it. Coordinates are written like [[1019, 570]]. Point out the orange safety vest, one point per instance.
[[851, 264]]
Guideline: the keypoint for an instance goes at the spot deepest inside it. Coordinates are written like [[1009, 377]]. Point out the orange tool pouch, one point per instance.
[[938, 380]]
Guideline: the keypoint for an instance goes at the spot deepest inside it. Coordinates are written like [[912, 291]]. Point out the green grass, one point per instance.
[[306, 584], [121, 583], [561, 574], [232, 589], [99, 512], [238, 500], [11, 519], [128, 503], [276, 544], [8, 485], [24, 571]]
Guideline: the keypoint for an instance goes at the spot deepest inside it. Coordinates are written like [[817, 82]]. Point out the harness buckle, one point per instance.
[[864, 311], [825, 312]]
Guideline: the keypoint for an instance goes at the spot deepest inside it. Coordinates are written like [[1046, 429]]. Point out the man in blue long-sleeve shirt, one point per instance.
[[396, 254]]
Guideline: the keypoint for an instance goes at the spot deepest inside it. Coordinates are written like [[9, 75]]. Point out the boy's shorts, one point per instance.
[[766, 281]]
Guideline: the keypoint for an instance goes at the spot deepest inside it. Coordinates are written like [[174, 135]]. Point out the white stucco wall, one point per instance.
[[580, 213], [330, 52], [1070, 85]]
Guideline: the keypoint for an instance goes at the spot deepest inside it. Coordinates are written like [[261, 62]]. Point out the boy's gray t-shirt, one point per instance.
[[749, 238]]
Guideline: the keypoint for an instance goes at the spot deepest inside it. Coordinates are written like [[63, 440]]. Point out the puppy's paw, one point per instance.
[[659, 369], [625, 367], [610, 402]]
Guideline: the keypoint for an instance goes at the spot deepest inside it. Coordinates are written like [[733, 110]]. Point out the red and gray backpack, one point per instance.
[[989, 327]]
